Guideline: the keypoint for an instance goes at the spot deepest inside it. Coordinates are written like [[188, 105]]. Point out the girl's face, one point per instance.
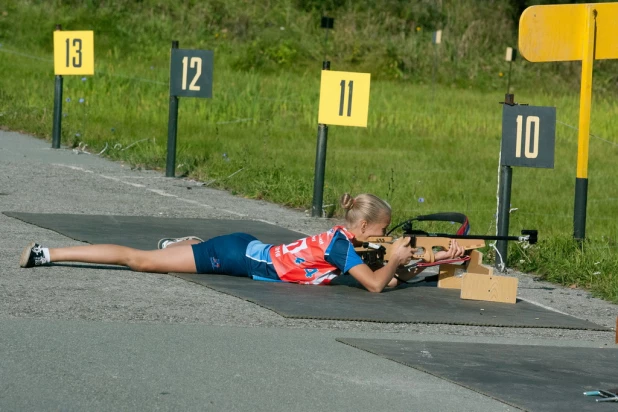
[[364, 229]]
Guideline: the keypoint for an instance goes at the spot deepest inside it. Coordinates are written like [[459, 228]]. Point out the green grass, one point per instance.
[[560, 259], [427, 148]]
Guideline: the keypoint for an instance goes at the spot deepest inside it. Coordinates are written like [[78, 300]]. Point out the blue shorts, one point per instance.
[[223, 255], [227, 255]]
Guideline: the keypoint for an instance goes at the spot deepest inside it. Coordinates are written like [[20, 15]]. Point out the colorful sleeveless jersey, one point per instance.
[[315, 259]]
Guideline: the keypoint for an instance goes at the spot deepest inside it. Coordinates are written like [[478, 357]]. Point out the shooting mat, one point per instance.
[[143, 232], [417, 303], [411, 304], [535, 378]]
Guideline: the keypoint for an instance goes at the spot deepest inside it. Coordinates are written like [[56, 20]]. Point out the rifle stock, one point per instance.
[[444, 243], [378, 248], [423, 244]]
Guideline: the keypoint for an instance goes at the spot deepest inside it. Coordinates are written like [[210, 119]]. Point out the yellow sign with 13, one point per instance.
[[73, 52], [344, 98]]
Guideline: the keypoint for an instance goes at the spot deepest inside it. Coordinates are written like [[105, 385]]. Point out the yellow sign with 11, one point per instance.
[[344, 98]]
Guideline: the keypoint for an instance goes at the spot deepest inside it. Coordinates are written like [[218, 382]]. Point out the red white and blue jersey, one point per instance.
[[311, 260]]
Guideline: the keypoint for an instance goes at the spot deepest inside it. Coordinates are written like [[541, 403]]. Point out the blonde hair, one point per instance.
[[364, 207]]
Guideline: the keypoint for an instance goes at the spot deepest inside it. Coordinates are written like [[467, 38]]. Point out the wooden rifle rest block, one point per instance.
[[450, 275], [491, 288], [449, 278], [478, 281]]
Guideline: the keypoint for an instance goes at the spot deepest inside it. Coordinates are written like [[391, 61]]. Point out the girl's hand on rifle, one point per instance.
[[402, 252], [454, 252]]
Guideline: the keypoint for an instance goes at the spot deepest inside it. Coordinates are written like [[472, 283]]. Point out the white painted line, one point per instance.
[[161, 192], [73, 167], [544, 306], [115, 179], [143, 177], [121, 181], [233, 213], [195, 202], [133, 184]]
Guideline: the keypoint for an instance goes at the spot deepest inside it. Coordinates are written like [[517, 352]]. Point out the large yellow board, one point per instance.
[[558, 32], [344, 98], [73, 52]]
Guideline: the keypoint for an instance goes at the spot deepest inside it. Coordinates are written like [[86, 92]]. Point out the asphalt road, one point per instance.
[[74, 337]]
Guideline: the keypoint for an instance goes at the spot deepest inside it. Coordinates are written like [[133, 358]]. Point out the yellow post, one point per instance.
[[583, 141], [585, 96], [568, 32]]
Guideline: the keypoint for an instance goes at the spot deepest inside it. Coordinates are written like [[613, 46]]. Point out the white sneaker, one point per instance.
[[32, 255], [165, 242]]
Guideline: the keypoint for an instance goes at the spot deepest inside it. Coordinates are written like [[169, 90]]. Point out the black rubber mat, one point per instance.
[[412, 304], [143, 232], [534, 378]]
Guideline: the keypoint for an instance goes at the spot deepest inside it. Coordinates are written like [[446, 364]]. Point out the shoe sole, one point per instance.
[[169, 239], [25, 255]]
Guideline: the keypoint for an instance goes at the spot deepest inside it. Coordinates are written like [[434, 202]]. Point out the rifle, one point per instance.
[[377, 249]]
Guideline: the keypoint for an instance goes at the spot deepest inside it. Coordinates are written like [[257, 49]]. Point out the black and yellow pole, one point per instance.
[[583, 140]]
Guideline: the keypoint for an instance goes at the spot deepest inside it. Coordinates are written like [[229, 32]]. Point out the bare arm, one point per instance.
[[376, 281], [403, 275]]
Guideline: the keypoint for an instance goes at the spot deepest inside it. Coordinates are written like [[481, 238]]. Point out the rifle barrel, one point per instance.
[[483, 237], [526, 236]]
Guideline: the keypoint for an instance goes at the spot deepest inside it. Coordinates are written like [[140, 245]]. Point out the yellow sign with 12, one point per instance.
[[344, 98], [73, 52]]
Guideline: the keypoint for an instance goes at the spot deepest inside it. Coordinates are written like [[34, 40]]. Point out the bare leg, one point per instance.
[[177, 259]]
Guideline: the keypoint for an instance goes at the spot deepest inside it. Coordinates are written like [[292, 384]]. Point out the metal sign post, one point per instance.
[[511, 53], [436, 39], [344, 101], [320, 164], [528, 140], [73, 55], [57, 126], [565, 33], [327, 23], [172, 126], [191, 74]]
